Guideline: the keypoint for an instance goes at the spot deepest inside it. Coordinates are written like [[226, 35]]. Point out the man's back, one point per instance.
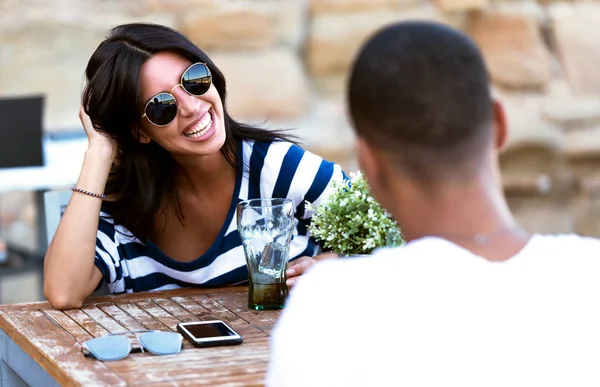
[[431, 313]]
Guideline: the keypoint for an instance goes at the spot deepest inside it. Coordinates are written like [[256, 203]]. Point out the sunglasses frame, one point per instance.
[[171, 93], [140, 348]]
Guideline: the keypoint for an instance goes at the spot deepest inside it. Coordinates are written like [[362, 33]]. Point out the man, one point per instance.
[[472, 300]]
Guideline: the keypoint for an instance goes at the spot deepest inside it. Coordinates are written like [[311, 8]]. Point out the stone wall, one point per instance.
[[286, 62]]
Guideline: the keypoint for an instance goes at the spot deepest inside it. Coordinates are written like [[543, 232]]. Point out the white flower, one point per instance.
[[349, 221]]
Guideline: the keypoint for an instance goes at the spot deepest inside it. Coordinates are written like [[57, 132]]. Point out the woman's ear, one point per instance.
[[141, 136]]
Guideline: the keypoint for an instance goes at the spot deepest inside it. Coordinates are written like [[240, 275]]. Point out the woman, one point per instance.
[[171, 164]]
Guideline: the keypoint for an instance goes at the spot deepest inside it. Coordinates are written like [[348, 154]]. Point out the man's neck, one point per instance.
[[473, 215]]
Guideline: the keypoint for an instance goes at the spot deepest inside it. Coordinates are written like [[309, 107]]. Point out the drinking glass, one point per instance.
[[265, 227]]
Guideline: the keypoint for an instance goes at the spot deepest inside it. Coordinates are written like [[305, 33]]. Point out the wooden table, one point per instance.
[[52, 339]]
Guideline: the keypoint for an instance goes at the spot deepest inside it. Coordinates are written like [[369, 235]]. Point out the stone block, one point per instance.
[[513, 48], [586, 207], [42, 55], [49, 59], [534, 172], [545, 215], [583, 143], [171, 6], [461, 5], [266, 84], [331, 85], [16, 13], [578, 44], [230, 27], [245, 24], [292, 22], [573, 112], [334, 39], [327, 132], [526, 127], [336, 6], [328, 126]]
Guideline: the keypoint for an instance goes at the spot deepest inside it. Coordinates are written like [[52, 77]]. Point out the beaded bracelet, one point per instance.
[[99, 196]]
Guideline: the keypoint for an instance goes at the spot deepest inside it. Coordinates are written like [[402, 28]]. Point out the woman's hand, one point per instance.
[[300, 265], [98, 141]]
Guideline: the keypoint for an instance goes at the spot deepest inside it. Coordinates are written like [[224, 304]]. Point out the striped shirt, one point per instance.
[[264, 170]]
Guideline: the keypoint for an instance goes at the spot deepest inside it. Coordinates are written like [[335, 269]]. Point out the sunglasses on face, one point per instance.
[[161, 110], [116, 346]]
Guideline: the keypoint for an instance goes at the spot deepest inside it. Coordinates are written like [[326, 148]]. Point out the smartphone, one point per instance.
[[209, 333]]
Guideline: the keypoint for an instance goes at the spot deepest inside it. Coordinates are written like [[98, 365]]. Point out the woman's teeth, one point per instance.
[[200, 129]]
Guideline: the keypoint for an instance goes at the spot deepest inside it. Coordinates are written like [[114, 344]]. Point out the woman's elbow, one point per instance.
[[62, 299]]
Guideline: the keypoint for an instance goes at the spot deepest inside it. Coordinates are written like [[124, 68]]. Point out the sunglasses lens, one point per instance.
[[108, 347], [162, 343], [197, 80], [162, 109]]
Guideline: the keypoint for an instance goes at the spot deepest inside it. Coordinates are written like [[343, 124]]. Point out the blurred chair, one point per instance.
[[55, 203]]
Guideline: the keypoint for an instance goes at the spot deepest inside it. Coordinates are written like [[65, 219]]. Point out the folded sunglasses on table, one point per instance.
[[117, 346]]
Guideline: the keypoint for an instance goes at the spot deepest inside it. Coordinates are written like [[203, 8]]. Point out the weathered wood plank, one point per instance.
[[238, 303], [86, 322], [243, 328], [186, 383], [245, 379], [121, 316], [56, 351], [106, 321], [197, 357], [147, 371], [175, 310], [158, 313], [142, 317], [183, 292], [196, 309], [221, 312], [68, 324]]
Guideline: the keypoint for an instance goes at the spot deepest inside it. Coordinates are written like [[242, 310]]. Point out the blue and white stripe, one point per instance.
[[264, 170]]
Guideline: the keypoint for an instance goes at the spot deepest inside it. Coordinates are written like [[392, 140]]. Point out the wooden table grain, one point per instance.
[[53, 338]]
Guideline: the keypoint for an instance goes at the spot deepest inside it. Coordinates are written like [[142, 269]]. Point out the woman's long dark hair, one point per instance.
[[142, 179]]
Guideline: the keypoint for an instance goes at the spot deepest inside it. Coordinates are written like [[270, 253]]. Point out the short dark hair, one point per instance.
[[419, 91]]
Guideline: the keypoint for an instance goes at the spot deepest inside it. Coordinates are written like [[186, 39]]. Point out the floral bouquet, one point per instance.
[[350, 221]]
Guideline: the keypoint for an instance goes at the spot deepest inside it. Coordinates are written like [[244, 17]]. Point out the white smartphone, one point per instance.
[[209, 333]]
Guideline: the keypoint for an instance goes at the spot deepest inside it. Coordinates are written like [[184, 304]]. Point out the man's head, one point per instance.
[[420, 102]]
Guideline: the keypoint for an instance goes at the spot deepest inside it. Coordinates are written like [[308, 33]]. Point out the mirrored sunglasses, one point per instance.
[[117, 346], [161, 109]]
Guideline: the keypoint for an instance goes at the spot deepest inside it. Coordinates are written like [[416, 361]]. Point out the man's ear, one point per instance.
[[370, 164], [500, 125]]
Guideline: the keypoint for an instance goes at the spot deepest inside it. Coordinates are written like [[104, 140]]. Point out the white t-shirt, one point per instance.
[[433, 314]]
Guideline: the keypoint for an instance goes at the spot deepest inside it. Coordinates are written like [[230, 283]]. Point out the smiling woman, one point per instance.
[[165, 167]]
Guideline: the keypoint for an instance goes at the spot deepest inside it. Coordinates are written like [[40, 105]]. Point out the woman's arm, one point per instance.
[[70, 274]]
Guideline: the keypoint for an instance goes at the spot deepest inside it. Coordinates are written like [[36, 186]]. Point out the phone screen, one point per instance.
[[204, 331]]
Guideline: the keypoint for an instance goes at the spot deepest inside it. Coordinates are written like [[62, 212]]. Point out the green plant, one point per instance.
[[350, 221]]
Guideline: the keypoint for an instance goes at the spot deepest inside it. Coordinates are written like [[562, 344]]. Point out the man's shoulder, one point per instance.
[[563, 244]]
